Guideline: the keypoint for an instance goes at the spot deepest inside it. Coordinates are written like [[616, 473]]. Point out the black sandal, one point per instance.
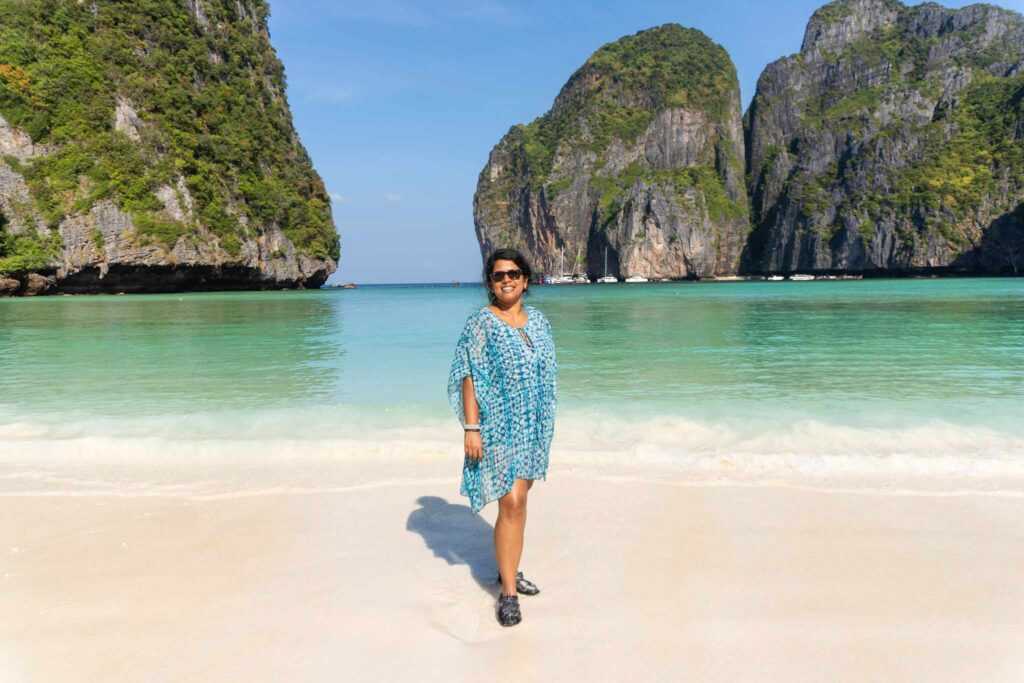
[[523, 585], [508, 610]]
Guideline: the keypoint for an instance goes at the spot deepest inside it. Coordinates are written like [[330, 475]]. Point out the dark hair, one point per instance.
[[505, 255]]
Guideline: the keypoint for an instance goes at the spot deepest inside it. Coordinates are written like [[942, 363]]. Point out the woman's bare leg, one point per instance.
[[509, 532], [519, 555]]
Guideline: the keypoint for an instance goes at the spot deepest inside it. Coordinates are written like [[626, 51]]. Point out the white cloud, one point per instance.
[[338, 198], [328, 93], [392, 197]]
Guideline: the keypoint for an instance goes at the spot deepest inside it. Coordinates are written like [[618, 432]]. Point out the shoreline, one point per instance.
[[227, 482], [660, 580], [212, 473], [209, 456], [23, 291]]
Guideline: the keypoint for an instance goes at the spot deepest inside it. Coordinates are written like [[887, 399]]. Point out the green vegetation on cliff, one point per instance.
[[26, 252], [904, 135], [641, 150], [840, 9], [967, 151], [691, 185], [617, 92], [957, 174], [209, 93], [669, 66]]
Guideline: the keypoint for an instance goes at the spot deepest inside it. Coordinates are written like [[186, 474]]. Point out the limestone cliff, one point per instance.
[[640, 157], [893, 142], [147, 145]]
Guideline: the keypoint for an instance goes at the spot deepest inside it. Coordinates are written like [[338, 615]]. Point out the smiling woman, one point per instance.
[[502, 387]]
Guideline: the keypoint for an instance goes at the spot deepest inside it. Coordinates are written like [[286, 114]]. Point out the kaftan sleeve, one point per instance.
[[471, 358]]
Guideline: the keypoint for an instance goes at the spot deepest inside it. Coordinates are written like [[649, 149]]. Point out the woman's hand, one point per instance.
[[474, 446]]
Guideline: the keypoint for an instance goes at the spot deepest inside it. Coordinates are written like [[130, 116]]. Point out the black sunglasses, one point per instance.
[[499, 275]]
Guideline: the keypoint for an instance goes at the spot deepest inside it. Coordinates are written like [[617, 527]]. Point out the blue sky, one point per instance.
[[399, 102]]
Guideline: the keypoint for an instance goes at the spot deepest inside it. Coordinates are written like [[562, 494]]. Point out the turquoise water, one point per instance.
[[852, 368]]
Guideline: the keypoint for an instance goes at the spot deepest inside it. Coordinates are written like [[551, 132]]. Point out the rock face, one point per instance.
[[149, 147], [640, 158], [893, 142]]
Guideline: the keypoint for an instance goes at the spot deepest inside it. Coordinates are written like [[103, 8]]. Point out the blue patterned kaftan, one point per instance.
[[515, 388]]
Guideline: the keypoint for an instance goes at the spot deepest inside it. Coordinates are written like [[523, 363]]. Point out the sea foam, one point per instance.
[[806, 448]]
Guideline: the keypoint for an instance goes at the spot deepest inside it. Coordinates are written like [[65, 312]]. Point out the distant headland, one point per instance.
[[891, 144]]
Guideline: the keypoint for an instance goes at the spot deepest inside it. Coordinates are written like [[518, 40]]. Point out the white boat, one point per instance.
[[775, 278], [606, 277], [561, 279], [580, 279], [636, 278], [800, 277]]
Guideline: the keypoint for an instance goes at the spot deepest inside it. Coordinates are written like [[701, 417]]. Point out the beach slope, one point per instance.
[[378, 577]]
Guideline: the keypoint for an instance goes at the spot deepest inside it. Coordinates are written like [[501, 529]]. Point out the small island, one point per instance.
[[149, 147]]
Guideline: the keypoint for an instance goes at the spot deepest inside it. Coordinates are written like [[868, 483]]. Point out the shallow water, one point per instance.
[[805, 375]]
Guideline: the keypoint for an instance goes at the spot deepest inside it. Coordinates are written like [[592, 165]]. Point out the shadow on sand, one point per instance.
[[457, 535]]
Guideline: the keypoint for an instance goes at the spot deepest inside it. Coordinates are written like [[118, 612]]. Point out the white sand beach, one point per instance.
[[384, 574]]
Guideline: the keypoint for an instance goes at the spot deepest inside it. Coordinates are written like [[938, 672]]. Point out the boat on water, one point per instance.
[[636, 278], [561, 278], [606, 277], [775, 278], [800, 278]]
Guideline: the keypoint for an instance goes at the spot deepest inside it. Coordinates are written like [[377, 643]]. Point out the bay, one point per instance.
[[853, 368]]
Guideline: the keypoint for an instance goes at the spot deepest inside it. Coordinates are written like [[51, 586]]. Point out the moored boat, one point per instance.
[[606, 277]]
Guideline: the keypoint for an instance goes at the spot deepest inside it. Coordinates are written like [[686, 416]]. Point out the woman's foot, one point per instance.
[[523, 585], [508, 610]]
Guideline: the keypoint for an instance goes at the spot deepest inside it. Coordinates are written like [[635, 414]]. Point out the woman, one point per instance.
[[502, 388]]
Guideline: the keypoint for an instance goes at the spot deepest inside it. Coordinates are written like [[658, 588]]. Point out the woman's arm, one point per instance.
[[473, 442]]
